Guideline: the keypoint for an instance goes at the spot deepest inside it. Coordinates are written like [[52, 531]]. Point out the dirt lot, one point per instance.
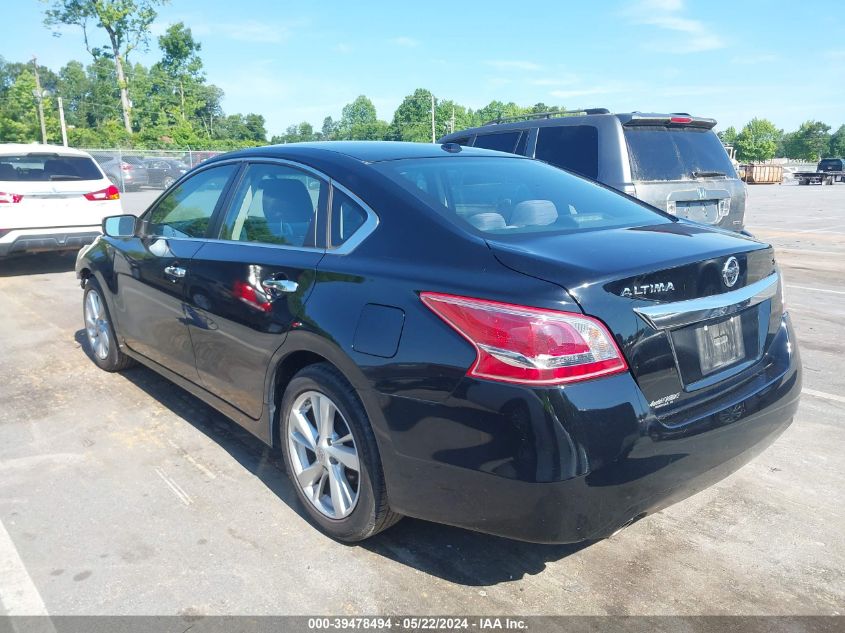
[[122, 494]]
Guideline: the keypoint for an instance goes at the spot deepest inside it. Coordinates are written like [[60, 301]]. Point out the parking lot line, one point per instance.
[[18, 593], [823, 395], [836, 292], [175, 488]]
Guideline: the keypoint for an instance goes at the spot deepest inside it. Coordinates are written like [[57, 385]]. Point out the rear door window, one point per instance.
[[572, 147], [662, 153], [47, 168], [501, 141]]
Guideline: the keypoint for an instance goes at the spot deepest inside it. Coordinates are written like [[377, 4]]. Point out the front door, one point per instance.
[[153, 270], [248, 287]]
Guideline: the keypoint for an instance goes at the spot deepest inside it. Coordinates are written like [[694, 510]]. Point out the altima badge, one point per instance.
[[647, 289], [730, 272]]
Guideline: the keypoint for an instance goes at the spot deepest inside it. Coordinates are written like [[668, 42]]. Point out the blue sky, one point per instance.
[[305, 60]]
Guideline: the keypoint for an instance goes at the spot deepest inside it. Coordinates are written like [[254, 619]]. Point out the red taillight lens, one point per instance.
[[10, 198], [109, 193], [529, 345], [680, 119], [126, 166]]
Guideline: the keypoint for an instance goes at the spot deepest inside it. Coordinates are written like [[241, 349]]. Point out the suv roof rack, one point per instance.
[[546, 115]]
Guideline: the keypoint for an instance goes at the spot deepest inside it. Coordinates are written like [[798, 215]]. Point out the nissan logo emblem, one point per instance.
[[730, 272]]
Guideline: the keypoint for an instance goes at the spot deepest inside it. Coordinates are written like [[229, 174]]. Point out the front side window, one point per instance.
[[186, 211], [275, 204], [514, 196]]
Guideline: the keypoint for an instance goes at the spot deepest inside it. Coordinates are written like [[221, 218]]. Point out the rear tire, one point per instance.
[[99, 331], [346, 504]]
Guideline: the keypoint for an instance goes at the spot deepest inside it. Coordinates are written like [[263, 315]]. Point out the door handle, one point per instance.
[[280, 285], [175, 271]]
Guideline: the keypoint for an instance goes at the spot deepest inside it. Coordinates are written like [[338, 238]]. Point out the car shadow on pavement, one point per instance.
[[454, 554], [37, 264]]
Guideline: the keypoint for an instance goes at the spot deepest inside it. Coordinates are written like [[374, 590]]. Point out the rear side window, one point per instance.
[[186, 210], [275, 204], [572, 147], [501, 142], [515, 196], [662, 153], [347, 217], [47, 167]]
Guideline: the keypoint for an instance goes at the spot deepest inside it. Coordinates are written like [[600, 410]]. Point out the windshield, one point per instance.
[[47, 167], [511, 196], [662, 153]]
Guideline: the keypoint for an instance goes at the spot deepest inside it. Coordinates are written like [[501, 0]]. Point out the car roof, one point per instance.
[[364, 151], [554, 121], [8, 149]]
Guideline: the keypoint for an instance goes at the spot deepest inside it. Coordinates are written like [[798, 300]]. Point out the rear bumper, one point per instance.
[[579, 462], [47, 239]]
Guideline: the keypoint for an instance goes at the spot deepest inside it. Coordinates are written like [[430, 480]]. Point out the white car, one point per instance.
[[52, 198]]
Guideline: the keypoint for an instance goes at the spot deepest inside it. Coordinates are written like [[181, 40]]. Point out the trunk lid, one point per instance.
[[662, 293]]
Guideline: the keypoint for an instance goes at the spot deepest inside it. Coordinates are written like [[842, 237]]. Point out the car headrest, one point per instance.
[[487, 221], [534, 213], [286, 200], [7, 172]]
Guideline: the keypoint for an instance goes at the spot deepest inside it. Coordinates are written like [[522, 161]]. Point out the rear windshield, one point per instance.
[[511, 196], [47, 167], [830, 164], [662, 153]]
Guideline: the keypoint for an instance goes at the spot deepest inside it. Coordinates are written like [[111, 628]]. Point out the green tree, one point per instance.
[[757, 141], [19, 114], [359, 122], [810, 141], [126, 23], [728, 136], [412, 119], [837, 143], [181, 63]]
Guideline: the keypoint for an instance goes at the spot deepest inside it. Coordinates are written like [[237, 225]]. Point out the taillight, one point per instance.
[[680, 119], [529, 345], [126, 166], [109, 193], [10, 198]]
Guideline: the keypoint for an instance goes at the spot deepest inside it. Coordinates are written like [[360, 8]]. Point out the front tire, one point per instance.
[[99, 331], [331, 455]]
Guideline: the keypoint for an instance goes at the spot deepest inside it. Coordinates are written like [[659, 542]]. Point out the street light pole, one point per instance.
[[62, 122], [40, 97]]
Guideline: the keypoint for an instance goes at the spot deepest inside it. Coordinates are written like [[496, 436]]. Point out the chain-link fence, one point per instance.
[[133, 169]]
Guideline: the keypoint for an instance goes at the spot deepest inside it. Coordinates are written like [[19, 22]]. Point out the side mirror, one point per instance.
[[120, 225]]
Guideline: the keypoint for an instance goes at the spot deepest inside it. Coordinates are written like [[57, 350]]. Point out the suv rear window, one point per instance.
[[830, 164], [512, 196], [47, 167], [662, 153], [572, 147], [502, 141]]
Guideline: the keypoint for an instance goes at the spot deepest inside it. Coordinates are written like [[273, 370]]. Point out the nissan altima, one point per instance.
[[453, 334]]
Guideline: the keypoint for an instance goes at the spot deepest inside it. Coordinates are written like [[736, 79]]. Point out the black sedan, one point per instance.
[[453, 334], [163, 172]]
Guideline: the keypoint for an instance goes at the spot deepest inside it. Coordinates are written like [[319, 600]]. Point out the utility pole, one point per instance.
[[40, 97], [452, 122], [62, 122], [433, 138]]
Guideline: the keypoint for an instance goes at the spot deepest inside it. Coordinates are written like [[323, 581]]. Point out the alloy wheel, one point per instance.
[[97, 325], [323, 455]]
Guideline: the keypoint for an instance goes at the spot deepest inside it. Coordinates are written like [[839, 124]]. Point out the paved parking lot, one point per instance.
[[122, 494]]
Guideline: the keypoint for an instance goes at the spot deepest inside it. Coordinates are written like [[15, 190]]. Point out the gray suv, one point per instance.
[[674, 162]]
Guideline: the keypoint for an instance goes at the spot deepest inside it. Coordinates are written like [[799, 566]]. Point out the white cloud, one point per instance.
[[513, 64], [683, 34], [407, 42]]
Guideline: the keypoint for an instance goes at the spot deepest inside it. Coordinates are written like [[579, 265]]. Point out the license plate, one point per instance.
[[720, 344]]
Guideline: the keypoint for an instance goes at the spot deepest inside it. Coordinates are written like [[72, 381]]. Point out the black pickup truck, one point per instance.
[[828, 172]]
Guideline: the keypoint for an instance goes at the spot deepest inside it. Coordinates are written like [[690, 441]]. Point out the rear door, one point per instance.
[[152, 269], [685, 171], [248, 286]]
